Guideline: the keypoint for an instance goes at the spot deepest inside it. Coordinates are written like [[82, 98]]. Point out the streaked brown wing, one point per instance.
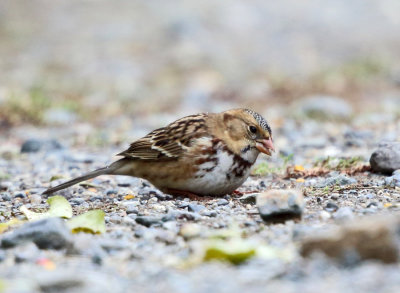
[[169, 142]]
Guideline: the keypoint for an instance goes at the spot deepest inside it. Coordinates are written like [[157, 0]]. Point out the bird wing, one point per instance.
[[169, 142]]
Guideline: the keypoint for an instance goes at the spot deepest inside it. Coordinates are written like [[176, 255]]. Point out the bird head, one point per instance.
[[246, 131]]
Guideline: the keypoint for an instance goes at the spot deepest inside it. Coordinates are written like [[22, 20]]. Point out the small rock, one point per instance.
[[190, 230], [50, 233], [195, 208], [132, 209], [35, 145], [26, 253], [208, 213], [331, 207], [370, 238], [76, 201], [19, 195], [6, 196], [344, 214], [248, 198], [324, 215], [386, 159], [222, 202], [277, 206], [148, 221]]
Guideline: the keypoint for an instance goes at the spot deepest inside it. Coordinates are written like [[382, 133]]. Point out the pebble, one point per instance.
[[28, 252], [369, 238], [5, 196], [76, 201], [249, 198], [222, 202], [208, 213], [36, 145], [19, 195], [331, 207], [279, 205], [190, 230], [132, 209], [195, 208], [386, 159], [148, 221], [324, 215], [343, 214], [50, 233]]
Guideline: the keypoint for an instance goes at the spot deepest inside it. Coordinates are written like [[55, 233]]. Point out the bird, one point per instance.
[[206, 154]]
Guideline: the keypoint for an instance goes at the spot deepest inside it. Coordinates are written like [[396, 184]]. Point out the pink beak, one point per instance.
[[265, 146]]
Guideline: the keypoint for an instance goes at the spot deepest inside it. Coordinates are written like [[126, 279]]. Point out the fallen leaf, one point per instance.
[[89, 222], [234, 251], [59, 207], [56, 177], [298, 168], [387, 205], [4, 226], [301, 180], [129, 196]]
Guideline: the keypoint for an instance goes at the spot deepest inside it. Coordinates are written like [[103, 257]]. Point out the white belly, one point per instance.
[[219, 176]]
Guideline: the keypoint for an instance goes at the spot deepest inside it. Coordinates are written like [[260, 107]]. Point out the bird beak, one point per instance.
[[265, 146]]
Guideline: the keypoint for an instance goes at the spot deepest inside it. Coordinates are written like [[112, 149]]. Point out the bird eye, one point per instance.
[[253, 129]]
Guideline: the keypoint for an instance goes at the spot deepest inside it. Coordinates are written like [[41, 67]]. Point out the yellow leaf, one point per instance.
[[387, 205], [129, 196], [301, 180], [298, 168]]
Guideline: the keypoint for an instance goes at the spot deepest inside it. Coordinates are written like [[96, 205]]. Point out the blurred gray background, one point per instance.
[[153, 56]]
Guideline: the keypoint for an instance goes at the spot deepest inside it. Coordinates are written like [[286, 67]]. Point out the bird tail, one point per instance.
[[115, 168], [90, 175]]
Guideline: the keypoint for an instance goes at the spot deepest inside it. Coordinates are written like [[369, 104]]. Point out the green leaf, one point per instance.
[[56, 177], [89, 222], [235, 252], [59, 207]]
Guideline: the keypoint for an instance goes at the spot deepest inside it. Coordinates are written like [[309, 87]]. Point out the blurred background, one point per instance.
[[114, 62]]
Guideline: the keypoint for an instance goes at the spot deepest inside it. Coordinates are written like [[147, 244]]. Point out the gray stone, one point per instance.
[[343, 214], [28, 252], [277, 206], [148, 221], [35, 145], [386, 159], [331, 207], [50, 233], [249, 198], [222, 202], [132, 209], [195, 208]]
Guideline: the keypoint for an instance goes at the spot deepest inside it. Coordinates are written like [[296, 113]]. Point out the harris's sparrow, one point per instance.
[[204, 154]]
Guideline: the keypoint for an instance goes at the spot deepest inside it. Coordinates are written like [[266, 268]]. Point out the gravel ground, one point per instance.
[[156, 243]]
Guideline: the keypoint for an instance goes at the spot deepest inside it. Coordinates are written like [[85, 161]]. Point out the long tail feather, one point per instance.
[[90, 175]]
